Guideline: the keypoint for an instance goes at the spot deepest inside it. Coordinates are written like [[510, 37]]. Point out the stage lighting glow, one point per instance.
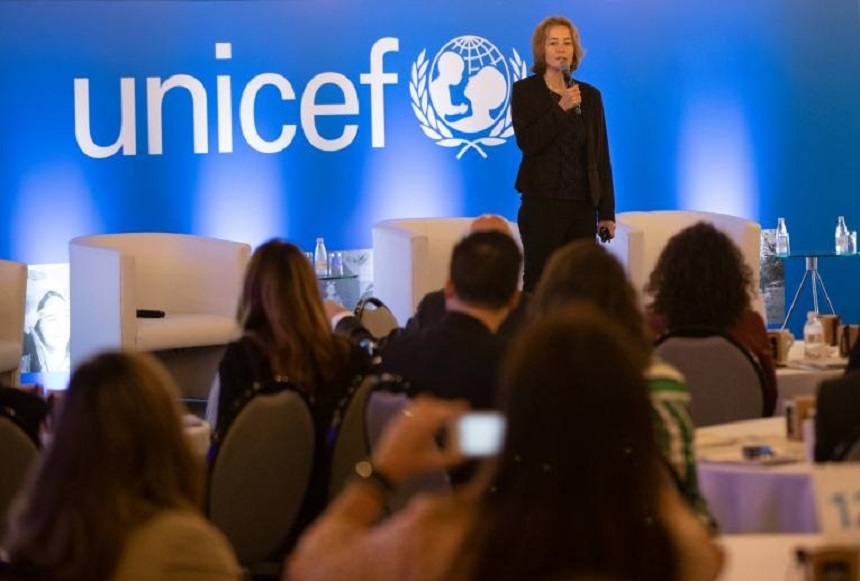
[[240, 198], [411, 182], [57, 188], [716, 164]]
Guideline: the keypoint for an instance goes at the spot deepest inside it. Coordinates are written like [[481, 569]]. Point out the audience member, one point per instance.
[[853, 359], [583, 271], [837, 416], [287, 338], [431, 308], [27, 409], [458, 357], [116, 493], [577, 489], [701, 280]]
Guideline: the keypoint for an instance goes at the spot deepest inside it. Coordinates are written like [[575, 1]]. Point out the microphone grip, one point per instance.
[[568, 82]]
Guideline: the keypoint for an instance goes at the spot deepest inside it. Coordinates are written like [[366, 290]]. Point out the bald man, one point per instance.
[[432, 308]]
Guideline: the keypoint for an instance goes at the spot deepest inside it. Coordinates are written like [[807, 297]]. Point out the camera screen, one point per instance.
[[480, 434]]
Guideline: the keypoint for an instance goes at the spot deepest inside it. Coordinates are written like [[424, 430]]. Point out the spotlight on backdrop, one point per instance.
[[240, 198], [54, 205], [716, 164]]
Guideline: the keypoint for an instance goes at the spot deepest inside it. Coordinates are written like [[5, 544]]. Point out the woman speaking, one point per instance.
[[565, 177]]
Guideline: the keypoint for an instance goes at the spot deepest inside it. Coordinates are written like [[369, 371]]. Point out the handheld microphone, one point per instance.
[[568, 82]]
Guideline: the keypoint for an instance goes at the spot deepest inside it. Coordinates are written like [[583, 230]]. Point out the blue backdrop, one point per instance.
[[314, 118]]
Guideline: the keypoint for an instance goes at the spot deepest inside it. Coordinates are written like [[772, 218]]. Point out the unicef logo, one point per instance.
[[462, 97]]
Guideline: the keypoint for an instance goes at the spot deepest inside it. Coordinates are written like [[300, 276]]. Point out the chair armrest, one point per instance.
[[397, 280], [13, 296], [102, 300]]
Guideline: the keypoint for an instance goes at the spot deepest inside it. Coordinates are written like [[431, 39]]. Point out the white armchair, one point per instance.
[[641, 236], [411, 258], [195, 280], [13, 297]]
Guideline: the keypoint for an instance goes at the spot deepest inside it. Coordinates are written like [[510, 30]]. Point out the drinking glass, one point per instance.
[[335, 264]]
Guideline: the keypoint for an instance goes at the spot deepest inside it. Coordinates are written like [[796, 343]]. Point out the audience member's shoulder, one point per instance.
[[29, 409], [177, 544], [659, 370]]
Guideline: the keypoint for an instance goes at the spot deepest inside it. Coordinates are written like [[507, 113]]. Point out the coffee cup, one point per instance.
[[830, 325], [796, 411], [847, 338], [780, 344]]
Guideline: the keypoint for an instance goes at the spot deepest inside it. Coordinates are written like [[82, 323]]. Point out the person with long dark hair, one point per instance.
[[577, 489], [117, 492], [582, 271], [287, 338], [701, 280], [565, 177]]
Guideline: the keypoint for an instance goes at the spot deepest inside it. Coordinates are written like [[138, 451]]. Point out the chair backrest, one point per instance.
[[17, 454], [260, 474], [351, 426], [724, 377], [13, 296], [376, 317], [376, 402]]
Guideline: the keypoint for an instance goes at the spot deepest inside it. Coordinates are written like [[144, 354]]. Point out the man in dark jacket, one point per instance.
[[458, 355]]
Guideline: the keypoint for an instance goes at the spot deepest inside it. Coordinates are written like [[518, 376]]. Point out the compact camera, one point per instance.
[[477, 434]]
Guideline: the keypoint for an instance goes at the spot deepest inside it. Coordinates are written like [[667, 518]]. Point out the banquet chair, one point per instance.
[[724, 377], [18, 453], [13, 296], [411, 258], [259, 476], [376, 402], [194, 281], [641, 236], [350, 426], [376, 317]]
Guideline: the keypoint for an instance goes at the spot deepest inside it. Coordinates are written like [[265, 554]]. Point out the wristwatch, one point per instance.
[[367, 472]]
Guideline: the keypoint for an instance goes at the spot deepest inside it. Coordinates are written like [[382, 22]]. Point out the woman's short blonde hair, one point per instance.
[[539, 43]]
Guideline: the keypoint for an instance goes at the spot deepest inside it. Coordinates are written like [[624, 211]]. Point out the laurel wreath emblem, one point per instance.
[[435, 128]]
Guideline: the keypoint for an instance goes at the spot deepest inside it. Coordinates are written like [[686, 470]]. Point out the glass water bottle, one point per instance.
[[783, 247]]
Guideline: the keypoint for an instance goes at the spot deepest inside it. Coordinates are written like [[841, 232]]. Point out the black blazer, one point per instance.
[[538, 120], [431, 309]]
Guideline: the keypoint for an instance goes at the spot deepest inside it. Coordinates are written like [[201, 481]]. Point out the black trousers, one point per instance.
[[547, 224]]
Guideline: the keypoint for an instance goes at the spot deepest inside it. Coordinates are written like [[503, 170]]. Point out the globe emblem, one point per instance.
[[468, 84]]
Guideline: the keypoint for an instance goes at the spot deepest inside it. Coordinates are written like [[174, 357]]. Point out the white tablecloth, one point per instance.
[[753, 498], [763, 557]]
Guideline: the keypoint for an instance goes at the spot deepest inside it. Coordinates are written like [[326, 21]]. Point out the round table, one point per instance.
[[748, 497]]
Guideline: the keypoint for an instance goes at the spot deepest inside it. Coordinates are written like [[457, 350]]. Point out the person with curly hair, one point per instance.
[[701, 280], [582, 271]]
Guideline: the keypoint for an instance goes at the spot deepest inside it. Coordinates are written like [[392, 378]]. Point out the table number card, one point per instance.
[[837, 499]]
